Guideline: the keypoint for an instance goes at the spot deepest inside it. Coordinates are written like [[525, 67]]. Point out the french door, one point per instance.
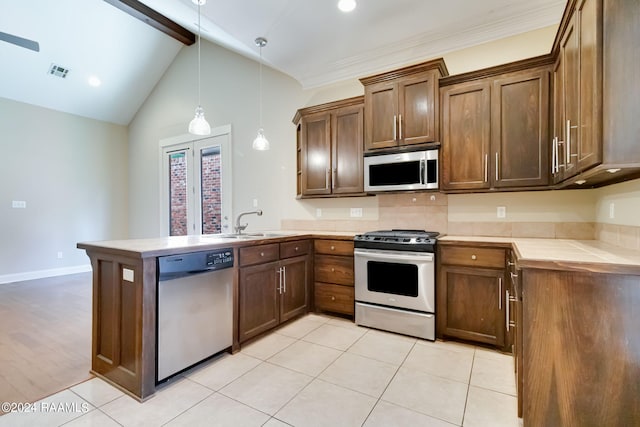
[[196, 184]]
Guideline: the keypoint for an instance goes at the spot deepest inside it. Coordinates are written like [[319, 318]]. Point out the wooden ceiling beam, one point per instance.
[[156, 20]]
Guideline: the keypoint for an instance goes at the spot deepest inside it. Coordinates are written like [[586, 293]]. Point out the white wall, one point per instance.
[[72, 173], [229, 96], [626, 200]]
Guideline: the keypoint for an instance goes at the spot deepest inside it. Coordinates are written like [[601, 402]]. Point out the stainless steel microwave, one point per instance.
[[417, 170]]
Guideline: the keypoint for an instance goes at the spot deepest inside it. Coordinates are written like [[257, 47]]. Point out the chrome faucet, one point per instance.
[[238, 227]]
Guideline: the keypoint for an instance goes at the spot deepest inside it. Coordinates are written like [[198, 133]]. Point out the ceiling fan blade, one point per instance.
[[19, 41]]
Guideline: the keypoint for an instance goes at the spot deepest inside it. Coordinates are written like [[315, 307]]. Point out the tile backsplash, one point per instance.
[[429, 211]]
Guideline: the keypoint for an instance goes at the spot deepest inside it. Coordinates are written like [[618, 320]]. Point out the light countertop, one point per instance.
[[592, 255]]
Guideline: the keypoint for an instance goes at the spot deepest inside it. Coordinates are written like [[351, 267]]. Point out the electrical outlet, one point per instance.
[[255, 203], [18, 204], [318, 213], [59, 255], [356, 212], [612, 210], [501, 212]]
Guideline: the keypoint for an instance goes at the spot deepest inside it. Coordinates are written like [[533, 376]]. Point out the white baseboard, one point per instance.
[[39, 274]]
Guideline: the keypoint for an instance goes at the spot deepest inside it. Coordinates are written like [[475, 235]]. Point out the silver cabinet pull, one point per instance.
[[497, 167], [499, 293], [280, 280], [284, 280], [554, 154], [486, 168], [400, 123], [333, 178], [326, 178], [507, 311], [394, 127]]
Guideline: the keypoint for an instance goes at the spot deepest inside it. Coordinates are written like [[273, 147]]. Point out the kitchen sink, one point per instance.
[[244, 236]]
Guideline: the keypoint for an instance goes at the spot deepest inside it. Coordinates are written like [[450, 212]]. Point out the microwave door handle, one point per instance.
[[423, 179]]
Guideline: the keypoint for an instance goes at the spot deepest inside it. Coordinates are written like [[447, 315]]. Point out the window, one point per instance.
[[196, 184]]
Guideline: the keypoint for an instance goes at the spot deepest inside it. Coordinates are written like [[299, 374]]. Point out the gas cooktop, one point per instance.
[[398, 240]]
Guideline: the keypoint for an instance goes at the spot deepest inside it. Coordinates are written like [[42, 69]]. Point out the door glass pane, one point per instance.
[[178, 194], [211, 190]]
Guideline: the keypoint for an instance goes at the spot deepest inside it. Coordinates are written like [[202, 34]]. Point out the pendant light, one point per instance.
[[260, 143], [199, 125]]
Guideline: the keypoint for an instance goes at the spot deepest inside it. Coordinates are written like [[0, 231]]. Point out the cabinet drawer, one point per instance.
[[333, 269], [333, 247], [259, 254], [339, 299], [473, 257], [291, 249]]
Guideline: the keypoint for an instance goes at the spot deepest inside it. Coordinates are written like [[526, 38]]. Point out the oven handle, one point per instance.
[[397, 255]]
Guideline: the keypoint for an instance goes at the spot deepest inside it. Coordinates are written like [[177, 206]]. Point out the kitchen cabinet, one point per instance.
[[402, 106], [330, 144], [596, 92], [470, 302], [580, 346], [495, 129], [333, 276], [273, 285]]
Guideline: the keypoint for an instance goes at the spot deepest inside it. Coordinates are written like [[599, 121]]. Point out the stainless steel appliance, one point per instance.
[[195, 309], [417, 170], [395, 281]]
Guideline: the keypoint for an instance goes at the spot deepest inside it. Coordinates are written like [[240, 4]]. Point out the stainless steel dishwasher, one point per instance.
[[195, 309]]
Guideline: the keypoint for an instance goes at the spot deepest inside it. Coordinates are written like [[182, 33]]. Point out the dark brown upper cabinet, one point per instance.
[[402, 106], [330, 144], [495, 129]]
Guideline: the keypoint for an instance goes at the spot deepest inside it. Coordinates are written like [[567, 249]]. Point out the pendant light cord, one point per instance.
[[199, 43], [260, 90]]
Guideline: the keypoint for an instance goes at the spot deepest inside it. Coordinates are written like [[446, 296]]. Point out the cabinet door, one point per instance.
[[466, 119], [258, 299], [558, 153], [294, 287], [589, 147], [569, 49], [347, 161], [417, 110], [470, 304], [381, 112], [316, 154], [519, 129]]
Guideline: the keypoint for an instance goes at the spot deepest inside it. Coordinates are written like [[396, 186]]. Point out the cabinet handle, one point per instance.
[[333, 270], [333, 178], [473, 257], [486, 168], [507, 322], [553, 155], [400, 123], [497, 167], [297, 249], [499, 293], [513, 276], [333, 248], [511, 264], [261, 253], [284, 280], [280, 280], [394, 127], [326, 178], [333, 298]]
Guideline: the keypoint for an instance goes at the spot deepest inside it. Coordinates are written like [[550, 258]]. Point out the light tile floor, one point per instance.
[[316, 371]]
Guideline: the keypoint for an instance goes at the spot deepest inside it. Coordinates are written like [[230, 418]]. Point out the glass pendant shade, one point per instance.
[[199, 125], [260, 143]]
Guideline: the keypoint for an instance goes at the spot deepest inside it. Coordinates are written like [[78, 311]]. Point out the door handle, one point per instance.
[[497, 167], [486, 168], [507, 311], [394, 127], [284, 280], [400, 125]]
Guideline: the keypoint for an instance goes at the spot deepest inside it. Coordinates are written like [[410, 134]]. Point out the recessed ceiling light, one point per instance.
[[94, 81], [347, 5]]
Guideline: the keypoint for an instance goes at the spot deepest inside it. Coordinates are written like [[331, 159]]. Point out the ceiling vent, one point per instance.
[[58, 71]]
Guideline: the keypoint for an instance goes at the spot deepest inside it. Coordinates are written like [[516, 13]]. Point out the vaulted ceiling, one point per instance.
[[310, 40]]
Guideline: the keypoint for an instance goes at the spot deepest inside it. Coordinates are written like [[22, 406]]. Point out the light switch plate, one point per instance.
[[356, 212], [318, 212], [501, 212], [612, 210], [18, 204]]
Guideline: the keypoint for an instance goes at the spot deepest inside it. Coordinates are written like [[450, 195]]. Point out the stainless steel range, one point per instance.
[[395, 281]]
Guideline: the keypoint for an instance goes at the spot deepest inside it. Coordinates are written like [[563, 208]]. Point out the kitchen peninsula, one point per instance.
[[574, 312]]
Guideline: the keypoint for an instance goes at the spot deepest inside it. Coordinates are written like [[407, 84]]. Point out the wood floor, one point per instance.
[[45, 336]]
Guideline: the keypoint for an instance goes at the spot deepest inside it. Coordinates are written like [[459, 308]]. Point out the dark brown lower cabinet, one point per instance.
[[333, 276], [581, 348], [471, 306], [274, 291]]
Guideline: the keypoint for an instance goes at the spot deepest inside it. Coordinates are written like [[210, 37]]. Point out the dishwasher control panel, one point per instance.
[[173, 266]]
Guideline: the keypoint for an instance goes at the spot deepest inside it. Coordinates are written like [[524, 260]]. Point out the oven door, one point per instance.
[[395, 278]]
